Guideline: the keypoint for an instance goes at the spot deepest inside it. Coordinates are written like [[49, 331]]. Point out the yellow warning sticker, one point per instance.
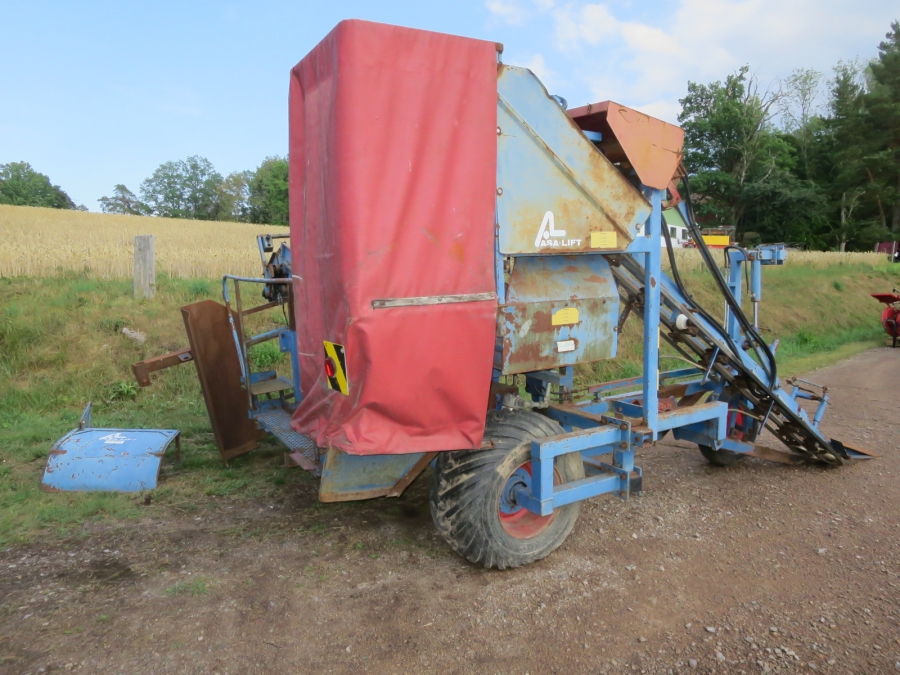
[[336, 367], [603, 240], [565, 317]]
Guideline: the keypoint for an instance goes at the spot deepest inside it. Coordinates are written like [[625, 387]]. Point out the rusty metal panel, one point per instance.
[[351, 477], [556, 193], [142, 369], [651, 147], [219, 370], [562, 310]]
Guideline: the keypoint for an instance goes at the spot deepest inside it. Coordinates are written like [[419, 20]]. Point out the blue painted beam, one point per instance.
[[652, 301], [576, 441]]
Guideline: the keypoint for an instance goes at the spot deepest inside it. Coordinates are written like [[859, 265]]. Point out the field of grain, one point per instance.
[[689, 260], [102, 245], [47, 242]]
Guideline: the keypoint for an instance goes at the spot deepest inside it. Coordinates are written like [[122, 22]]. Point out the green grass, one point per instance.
[[806, 342], [196, 586], [266, 355], [61, 346], [816, 313]]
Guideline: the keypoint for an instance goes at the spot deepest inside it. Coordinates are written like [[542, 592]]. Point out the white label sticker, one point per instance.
[[565, 346], [116, 439]]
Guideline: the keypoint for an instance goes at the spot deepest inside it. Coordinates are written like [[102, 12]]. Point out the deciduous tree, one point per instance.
[[269, 192], [234, 196], [21, 185], [183, 189], [730, 144], [123, 201]]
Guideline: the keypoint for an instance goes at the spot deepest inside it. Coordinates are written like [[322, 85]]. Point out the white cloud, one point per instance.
[[509, 11], [643, 54], [647, 39], [589, 24], [597, 23], [663, 109], [538, 65], [618, 50]]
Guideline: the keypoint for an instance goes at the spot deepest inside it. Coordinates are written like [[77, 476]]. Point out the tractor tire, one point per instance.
[[471, 502], [720, 457]]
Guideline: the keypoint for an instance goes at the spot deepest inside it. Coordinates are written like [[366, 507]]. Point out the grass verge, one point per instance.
[[61, 346]]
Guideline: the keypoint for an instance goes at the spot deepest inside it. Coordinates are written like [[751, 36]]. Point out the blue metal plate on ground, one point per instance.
[[118, 460]]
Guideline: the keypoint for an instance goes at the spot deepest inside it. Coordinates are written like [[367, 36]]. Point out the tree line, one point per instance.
[[21, 185], [193, 189], [805, 160], [189, 188]]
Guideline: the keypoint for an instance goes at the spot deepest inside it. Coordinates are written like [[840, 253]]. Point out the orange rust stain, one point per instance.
[[530, 352], [458, 251], [542, 322]]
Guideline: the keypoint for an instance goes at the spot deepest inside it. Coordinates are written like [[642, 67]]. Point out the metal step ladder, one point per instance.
[[271, 398]]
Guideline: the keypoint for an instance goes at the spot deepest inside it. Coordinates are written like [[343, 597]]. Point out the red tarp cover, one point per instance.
[[392, 185]]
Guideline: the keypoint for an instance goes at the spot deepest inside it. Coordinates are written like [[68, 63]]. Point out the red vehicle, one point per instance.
[[890, 317], [889, 248]]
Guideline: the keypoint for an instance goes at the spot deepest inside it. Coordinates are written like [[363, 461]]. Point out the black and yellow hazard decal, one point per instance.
[[336, 367]]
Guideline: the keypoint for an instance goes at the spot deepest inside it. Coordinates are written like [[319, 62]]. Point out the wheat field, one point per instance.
[[47, 242], [689, 260]]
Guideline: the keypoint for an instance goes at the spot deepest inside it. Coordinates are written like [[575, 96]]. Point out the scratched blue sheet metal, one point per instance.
[[560, 310], [556, 192], [116, 460]]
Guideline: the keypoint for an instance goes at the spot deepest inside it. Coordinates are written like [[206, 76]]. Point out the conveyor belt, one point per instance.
[[702, 340]]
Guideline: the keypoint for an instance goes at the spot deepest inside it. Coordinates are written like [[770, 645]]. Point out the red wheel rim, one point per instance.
[[517, 521]]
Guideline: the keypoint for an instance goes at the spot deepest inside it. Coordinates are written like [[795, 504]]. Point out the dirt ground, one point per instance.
[[756, 568]]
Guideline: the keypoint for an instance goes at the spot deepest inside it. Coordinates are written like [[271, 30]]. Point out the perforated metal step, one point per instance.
[[278, 423]]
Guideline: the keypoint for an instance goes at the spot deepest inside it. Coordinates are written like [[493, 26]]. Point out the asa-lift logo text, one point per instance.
[[549, 237]]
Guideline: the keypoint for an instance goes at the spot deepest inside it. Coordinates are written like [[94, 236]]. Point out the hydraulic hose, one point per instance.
[[829, 452], [736, 309], [676, 277]]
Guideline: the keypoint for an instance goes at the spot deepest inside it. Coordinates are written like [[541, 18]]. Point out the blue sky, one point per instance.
[[99, 93]]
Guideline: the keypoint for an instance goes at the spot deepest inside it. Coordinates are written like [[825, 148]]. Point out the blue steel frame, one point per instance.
[[287, 343], [592, 428]]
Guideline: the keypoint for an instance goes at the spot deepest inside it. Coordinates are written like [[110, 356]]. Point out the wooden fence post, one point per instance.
[[144, 266]]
